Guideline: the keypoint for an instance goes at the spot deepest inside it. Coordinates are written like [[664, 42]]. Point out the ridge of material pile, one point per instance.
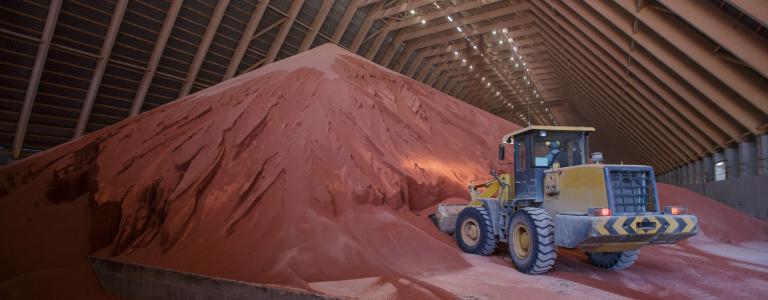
[[304, 170]]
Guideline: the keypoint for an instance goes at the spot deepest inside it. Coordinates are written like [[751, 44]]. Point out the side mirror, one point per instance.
[[501, 152]]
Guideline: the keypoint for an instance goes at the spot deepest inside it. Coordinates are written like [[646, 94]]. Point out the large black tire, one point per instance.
[[474, 231], [532, 241], [613, 260]]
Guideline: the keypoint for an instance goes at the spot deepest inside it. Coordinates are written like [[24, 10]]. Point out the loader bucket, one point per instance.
[[445, 216]]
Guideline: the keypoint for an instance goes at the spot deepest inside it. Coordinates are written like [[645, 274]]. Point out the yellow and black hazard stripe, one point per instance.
[[632, 225]]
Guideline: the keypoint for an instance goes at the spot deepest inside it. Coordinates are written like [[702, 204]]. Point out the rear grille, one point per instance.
[[633, 190]]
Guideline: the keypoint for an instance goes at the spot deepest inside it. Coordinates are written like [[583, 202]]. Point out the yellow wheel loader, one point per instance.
[[552, 197]]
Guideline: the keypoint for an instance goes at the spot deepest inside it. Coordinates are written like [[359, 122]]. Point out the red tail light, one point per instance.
[[675, 210], [599, 211]]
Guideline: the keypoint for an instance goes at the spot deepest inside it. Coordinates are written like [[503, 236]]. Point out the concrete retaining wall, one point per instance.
[[748, 194], [134, 281]]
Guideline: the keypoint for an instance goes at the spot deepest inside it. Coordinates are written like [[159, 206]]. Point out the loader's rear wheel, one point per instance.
[[532, 241], [474, 231], [613, 260]]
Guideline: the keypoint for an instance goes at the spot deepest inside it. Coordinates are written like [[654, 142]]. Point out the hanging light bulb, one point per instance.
[[413, 11], [423, 21]]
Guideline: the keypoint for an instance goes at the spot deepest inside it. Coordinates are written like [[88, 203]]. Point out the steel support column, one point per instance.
[[762, 156], [747, 158], [707, 169], [732, 162], [698, 175]]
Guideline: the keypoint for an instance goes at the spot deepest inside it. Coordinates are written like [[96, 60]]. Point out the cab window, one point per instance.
[[521, 161], [563, 148]]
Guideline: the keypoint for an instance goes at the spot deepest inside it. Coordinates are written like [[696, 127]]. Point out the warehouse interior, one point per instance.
[[681, 86]]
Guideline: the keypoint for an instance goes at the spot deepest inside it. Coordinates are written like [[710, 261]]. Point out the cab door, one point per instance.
[[523, 168]]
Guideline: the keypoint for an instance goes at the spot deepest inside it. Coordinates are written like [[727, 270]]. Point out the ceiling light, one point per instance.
[[542, 102], [510, 40], [471, 67], [455, 52], [488, 84], [514, 48], [464, 60], [435, 3], [504, 30], [474, 46], [483, 79], [450, 19], [458, 29], [423, 21], [494, 32], [501, 42], [517, 65], [497, 93], [413, 11]]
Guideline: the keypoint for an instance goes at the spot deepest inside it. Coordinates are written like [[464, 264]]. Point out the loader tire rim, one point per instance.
[[521, 241], [470, 232]]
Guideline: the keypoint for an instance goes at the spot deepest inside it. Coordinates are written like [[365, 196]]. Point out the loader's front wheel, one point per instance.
[[613, 260], [532, 241], [474, 231]]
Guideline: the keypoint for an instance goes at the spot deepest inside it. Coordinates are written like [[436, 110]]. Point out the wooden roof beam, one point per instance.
[[101, 65], [744, 44], [282, 33], [245, 39], [154, 58], [653, 74], [322, 14], [344, 22], [676, 61], [34, 79], [202, 48], [681, 129]]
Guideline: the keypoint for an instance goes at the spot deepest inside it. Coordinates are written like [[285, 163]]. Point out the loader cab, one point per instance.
[[539, 148]]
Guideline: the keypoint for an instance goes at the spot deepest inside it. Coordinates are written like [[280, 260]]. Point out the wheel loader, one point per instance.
[[551, 197]]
